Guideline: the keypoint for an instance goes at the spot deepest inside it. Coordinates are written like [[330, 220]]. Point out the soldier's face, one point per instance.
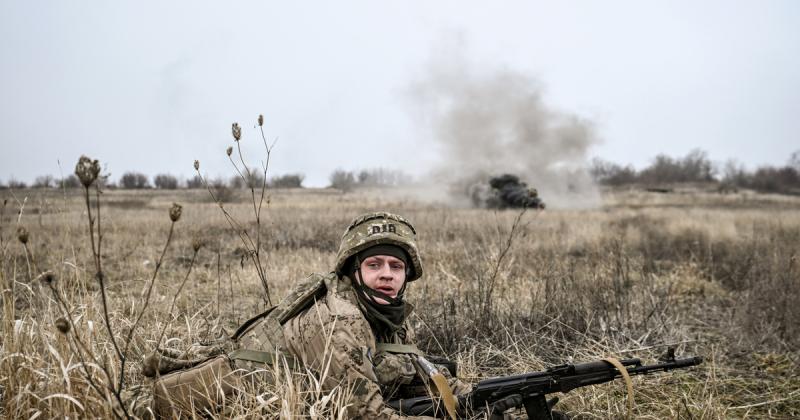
[[385, 274]]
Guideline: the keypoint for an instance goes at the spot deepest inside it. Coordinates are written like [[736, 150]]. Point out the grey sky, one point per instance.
[[151, 86]]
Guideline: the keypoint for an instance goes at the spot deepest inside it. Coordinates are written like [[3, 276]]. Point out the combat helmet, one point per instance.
[[380, 228]]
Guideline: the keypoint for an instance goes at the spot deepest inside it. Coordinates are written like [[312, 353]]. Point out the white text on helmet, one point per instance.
[[388, 227]]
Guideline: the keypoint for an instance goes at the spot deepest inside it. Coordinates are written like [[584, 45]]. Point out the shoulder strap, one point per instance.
[[397, 348], [301, 298], [249, 323], [268, 324]]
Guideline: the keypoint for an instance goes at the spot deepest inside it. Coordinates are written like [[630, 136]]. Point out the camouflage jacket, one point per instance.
[[332, 337]]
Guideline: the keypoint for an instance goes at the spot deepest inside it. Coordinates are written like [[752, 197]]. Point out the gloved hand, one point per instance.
[[497, 411], [557, 415], [499, 407]]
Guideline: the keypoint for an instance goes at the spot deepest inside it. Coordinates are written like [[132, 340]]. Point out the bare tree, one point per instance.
[[70, 181], [794, 160], [380, 177], [16, 184], [134, 180], [609, 173], [222, 191], [236, 182], [287, 181], [694, 167], [195, 182], [734, 173], [343, 180], [43, 181], [165, 182]]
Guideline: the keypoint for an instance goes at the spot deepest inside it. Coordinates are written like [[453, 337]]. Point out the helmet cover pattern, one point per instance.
[[379, 228]]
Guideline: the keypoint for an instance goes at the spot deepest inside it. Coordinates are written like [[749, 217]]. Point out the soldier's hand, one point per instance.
[[499, 407]]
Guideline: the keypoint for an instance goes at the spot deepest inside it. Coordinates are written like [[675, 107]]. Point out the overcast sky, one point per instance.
[[152, 86]]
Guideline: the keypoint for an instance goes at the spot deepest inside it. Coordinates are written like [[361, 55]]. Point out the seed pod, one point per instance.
[[229, 150], [197, 243], [175, 212], [62, 325], [260, 120], [196, 165], [22, 235], [236, 131], [87, 170]]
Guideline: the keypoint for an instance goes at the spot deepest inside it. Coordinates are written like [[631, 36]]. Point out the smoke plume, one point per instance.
[[487, 124]]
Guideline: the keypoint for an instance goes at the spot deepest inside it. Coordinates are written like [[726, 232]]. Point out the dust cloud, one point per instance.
[[489, 123]]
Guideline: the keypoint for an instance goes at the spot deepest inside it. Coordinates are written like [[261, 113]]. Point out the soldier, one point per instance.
[[355, 318], [349, 326]]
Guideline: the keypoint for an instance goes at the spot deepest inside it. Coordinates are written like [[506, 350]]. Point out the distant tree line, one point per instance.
[[379, 177], [138, 180], [696, 167]]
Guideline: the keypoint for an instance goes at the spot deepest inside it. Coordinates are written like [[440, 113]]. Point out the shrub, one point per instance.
[[44, 181], [783, 180], [236, 182], [194, 182], [165, 182], [775, 180], [134, 180], [16, 184], [287, 181], [71, 181], [734, 174], [221, 190], [794, 161], [382, 177], [254, 180], [694, 167], [343, 180], [608, 173]]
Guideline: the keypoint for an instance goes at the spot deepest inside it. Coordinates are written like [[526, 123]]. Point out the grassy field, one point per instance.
[[713, 275]]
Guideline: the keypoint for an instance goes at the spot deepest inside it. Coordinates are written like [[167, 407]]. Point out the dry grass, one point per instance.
[[717, 276]]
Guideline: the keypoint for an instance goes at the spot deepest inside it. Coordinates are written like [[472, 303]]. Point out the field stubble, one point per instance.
[[713, 276]]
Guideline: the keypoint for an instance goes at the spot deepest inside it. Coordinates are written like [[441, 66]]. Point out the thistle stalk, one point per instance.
[[174, 215], [99, 271], [253, 246], [175, 298], [88, 171]]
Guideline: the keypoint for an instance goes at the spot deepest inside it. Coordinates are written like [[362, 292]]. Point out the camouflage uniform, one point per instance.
[[330, 333]]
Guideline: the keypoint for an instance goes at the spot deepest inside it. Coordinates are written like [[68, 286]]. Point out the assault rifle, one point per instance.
[[535, 386]]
